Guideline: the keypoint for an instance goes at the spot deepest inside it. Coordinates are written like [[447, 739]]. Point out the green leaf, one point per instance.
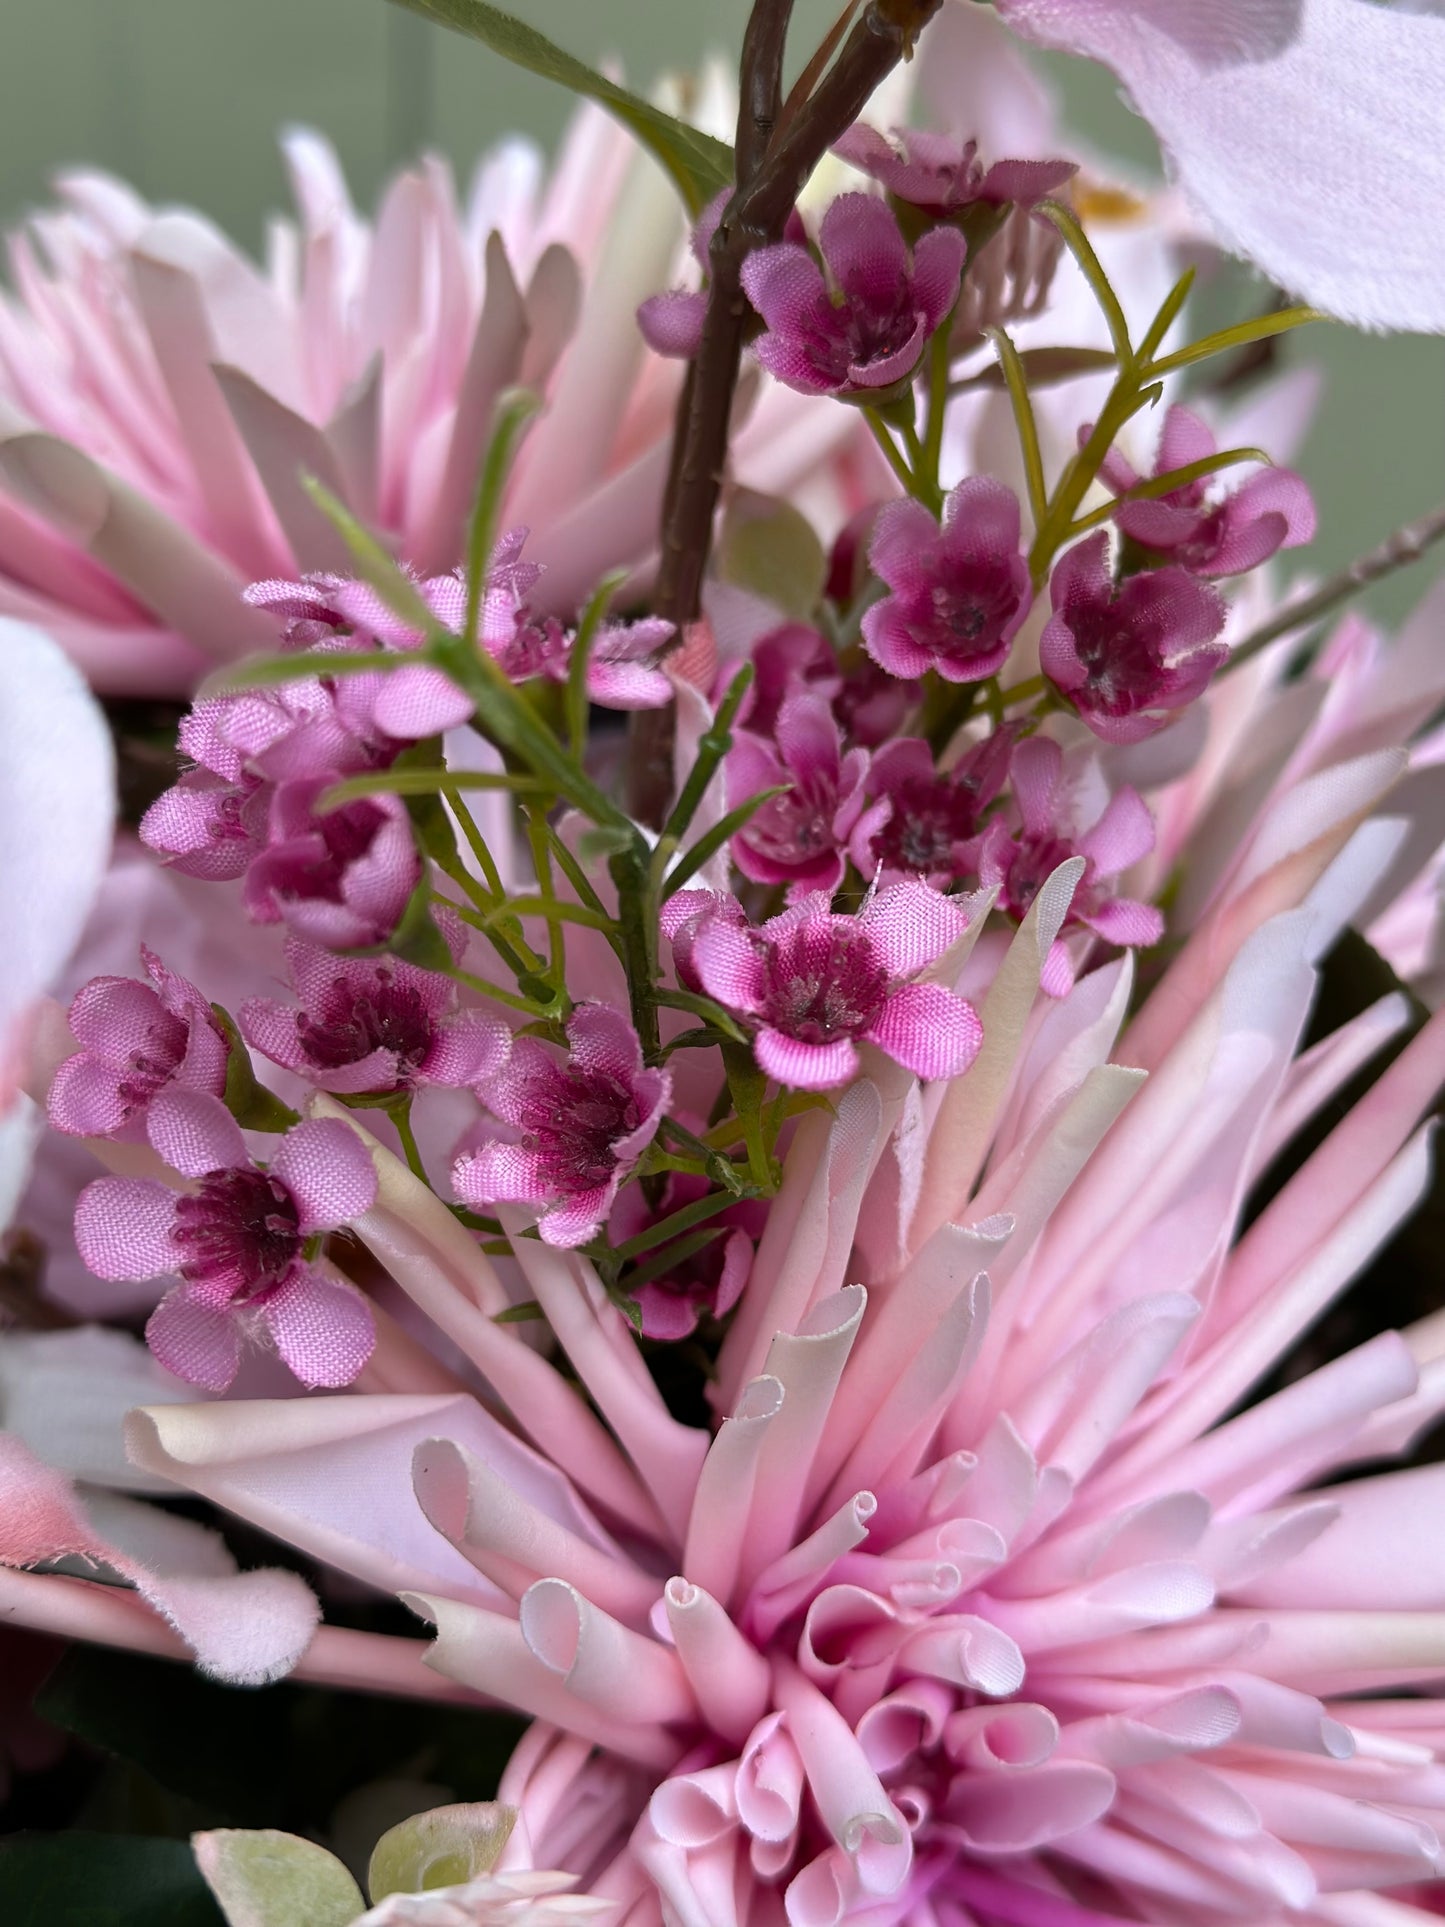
[[1043, 368], [1080, 246], [249, 1102], [441, 1848], [274, 1879], [1018, 392], [1239, 336], [416, 938], [399, 781], [717, 838], [100, 1880], [698, 164], [514, 410]]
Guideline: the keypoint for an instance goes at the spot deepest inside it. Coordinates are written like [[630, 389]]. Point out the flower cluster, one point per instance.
[[779, 1282]]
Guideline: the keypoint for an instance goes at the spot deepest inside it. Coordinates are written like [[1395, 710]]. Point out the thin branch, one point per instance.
[[755, 217], [1397, 551]]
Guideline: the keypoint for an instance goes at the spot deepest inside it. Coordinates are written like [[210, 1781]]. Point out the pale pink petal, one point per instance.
[[124, 1228], [910, 924], [195, 1133], [198, 1342], [928, 1030], [322, 1326], [329, 1173], [806, 1067]]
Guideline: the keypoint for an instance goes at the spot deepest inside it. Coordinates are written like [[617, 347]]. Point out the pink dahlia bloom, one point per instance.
[[581, 1126], [1206, 530], [1018, 858], [136, 1040], [815, 985], [373, 1025], [960, 591], [943, 176], [923, 823], [799, 838], [1128, 656], [888, 302], [238, 1238]]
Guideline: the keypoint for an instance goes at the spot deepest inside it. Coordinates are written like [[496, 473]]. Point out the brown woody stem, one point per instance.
[[771, 169]]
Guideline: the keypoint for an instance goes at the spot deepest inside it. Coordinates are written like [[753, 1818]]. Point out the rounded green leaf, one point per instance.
[[770, 548], [272, 1879], [443, 1848]]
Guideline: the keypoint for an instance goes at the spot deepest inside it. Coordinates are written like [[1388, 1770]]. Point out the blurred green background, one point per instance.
[[182, 97]]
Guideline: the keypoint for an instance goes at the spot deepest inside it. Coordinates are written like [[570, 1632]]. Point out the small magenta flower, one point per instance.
[[238, 1239], [136, 1041], [1019, 860], [870, 335], [373, 1024], [620, 672], [799, 838], [671, 323], [341, 879], [582, 1125], [708, 1280], [921, 823], [815, 985], [1128, 657], [1204, 530], [937, 175], [960, 591], [207, 827]]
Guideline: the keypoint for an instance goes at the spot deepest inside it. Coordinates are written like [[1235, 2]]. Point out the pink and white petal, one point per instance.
[[469, 1051], [627, 685], [982, 518], [1123, 835], [671, 323], [111, 1016], [195, 1133], [805, 1067], [125, 1228], [728, 963], [499, 1173], [322, 1327], [417, 701], [928, 1030], [1185, 439], [909, 924], [937, 269], [785, 285], [1121, 920], [603, 1040], [865, 250], [328, 1171], [1034, 771], [271, 1028], [84, 1098], [577, 1219], [1289, 125], [1056, 979], [199, 1343]]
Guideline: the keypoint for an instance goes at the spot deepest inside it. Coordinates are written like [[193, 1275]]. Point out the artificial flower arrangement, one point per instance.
[[699, 1065]]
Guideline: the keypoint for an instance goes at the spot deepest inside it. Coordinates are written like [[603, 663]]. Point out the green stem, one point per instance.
[[400, 1115], [890, 449]]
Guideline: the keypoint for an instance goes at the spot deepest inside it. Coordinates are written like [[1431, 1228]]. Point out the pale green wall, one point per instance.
[[182, 96]]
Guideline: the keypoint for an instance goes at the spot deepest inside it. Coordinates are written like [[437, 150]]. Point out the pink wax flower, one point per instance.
[[342, 878], [921, 823], [207, 827], [960, 591], [1128, 657], [814, 985], [1019, 859], [799, 838], [887, 305], [709, 1280], [1204, 530], [620, 671], [237, 1237], [940, 176], [136, 1041], [373, 1024], [582, 1124]]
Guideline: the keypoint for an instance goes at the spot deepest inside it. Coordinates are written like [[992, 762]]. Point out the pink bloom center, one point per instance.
[[1121, 668], [240, 1233], [572, 1119], [822, 982], [1034, 860], [354, 1019], [795, 827], [156, 1061], [928, 820], [338, 839]]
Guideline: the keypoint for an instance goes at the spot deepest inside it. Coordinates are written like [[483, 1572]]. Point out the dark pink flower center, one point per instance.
[[538, 647], [156, 1060], [1120, 663], [928, 820], [240, 1233], [822, 982], [573, 1121], [795, 828], [967, 608], [351, 1020], [1034, 861], [336, 841]]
